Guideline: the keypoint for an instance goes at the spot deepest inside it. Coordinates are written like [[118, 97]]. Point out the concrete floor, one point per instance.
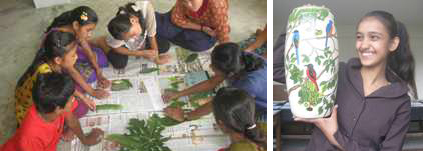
[[21, 28]]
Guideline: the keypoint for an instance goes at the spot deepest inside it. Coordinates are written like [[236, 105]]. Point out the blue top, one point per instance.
[[255, 83]]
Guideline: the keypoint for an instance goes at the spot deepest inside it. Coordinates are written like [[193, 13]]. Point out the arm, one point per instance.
[[203, 86], [91, 57], [199, 112], [261, 38], [396, 135], [220, 20], [90, 103], [126, 51], [178, 18], [75, 126], [329, 127]]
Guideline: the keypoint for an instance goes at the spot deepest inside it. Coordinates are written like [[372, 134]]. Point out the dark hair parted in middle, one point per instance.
[[231, 60], [121, 22]]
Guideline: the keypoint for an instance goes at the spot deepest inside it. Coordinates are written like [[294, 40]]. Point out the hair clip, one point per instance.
[[84, 16], [252, 126]]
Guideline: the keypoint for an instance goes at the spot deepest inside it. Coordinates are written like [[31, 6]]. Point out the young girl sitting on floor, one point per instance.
[[44, 123], [133, 33], [81, 21]]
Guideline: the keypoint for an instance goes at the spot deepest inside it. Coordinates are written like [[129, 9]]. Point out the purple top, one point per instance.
[[378, 121]]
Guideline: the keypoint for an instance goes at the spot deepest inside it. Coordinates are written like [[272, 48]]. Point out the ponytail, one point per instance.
[[401, 61], [236, 109], [83, 15]]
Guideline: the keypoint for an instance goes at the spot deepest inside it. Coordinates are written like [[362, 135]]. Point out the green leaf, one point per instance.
[[306, 59], [318, 32], [149, 70], [122, 84], [108, 107], [191, 58], [177, 104], [320, 110]]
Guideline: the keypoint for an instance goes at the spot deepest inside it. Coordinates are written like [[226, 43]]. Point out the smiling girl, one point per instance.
[[373, 107]]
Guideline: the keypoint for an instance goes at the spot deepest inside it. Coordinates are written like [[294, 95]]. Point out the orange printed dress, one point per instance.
[[23, 93]]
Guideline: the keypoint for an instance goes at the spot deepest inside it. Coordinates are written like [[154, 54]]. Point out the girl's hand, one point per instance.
[[328, 125], [102, 82], [150, 54], [90, 103], [169, 95], [209, 31], [175, 113], [100, 94]]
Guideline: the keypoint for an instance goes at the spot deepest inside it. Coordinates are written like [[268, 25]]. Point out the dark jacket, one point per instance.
[[378, 121]]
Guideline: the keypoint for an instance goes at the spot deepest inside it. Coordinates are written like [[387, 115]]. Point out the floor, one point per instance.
[[22, 25]]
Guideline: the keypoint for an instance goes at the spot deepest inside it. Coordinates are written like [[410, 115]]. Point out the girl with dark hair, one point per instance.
[[133, 33], [43, 125], [374, 107], [57, 54], [81, 21], [195, 25], [234, 111], [243, 70]]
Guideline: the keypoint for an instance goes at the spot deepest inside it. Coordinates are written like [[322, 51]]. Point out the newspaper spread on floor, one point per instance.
[[144, 99]]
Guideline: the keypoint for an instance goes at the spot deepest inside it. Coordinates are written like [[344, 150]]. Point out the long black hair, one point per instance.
[[83, 15], [400, 61], [231, 60], [236, 109], [52, 90], [55, 45], [121, 22]]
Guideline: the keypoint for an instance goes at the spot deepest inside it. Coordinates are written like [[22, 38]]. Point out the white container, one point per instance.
[[311, 61]]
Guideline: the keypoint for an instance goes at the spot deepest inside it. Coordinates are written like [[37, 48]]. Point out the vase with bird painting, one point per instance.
[[311, 61]]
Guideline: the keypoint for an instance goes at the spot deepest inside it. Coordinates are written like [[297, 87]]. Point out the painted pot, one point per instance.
[[311, 61]]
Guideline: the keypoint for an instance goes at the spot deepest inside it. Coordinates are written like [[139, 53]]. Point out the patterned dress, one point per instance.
[[23, 93]]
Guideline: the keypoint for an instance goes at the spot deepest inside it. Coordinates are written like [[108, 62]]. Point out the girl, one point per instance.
[[57, 53], [44, 123], [133, 33], [195, 25], [243, 70], [81, 21], [374, 108], [234, 112]]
